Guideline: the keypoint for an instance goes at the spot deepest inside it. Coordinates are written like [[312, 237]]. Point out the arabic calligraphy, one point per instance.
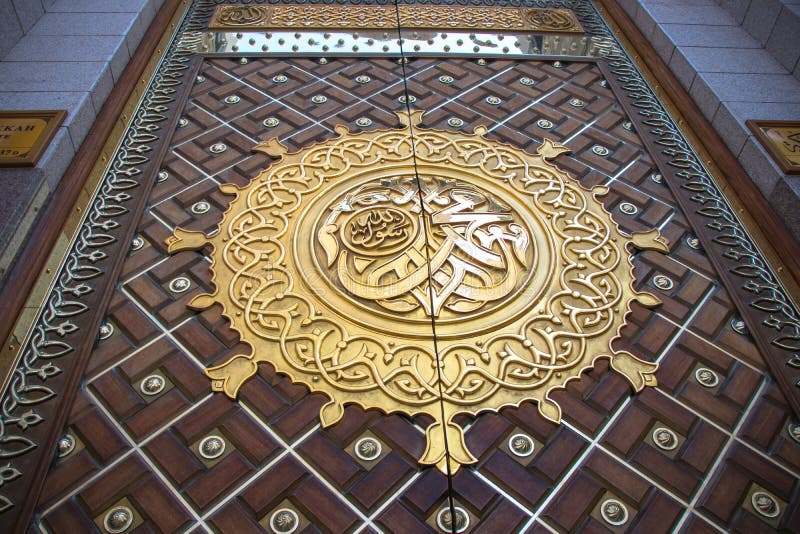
[[333, 262], [375, 246], [376, 231]]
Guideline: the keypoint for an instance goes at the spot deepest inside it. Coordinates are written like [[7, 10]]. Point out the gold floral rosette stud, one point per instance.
[[337, 262]]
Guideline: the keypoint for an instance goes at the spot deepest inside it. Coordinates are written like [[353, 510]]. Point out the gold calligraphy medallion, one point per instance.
[[335, 262]]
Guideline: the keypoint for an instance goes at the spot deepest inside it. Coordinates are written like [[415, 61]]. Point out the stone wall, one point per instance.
[[739, 60]]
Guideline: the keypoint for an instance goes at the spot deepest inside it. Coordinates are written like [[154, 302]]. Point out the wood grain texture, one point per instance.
[[279, 456], [28, 266]]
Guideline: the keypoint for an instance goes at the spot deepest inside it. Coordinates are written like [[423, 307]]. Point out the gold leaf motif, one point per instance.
[[332, 263]]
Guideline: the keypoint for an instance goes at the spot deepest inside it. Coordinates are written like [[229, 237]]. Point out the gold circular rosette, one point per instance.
[[339, 262]]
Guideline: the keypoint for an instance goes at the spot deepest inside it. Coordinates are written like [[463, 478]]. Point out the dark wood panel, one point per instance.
[[278, 456]]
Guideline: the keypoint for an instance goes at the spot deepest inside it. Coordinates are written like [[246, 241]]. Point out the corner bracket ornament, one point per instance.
[[333, 261]]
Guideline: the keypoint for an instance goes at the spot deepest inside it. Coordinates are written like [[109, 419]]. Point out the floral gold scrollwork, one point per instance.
[[332, 262], [385, 17], [56, 334]]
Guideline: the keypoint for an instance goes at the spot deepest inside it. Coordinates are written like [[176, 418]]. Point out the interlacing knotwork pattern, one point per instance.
[[56, 334], [277, 260], [385, 17]]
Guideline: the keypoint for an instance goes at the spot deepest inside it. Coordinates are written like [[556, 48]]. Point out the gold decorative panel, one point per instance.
[[437, 273], [385, 18]]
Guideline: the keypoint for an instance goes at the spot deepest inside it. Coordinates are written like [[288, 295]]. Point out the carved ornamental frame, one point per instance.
[[52, 358]]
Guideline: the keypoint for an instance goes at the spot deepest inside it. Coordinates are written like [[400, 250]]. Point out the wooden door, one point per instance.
[[148, 445]]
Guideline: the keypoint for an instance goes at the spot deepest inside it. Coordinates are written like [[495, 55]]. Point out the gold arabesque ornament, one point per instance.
[[338, 262]]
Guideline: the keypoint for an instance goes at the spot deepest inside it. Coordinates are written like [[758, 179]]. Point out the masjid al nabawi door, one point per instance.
[[415, 268]]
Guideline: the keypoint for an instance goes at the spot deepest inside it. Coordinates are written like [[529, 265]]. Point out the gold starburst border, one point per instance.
[[562, 335]]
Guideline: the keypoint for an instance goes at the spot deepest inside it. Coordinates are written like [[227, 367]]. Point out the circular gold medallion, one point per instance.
[[338, 262], [405, 249]]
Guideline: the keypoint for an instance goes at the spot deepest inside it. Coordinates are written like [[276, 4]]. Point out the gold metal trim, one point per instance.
[[332, 262], [385, 18], [11, 350], [736, 203]]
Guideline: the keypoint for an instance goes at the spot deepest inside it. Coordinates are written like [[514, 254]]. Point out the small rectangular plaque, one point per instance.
[[782, 141], [24, 135]]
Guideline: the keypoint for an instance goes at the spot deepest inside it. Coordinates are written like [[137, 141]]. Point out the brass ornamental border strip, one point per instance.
[[55, 340], [37, 392], [315, 16]]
